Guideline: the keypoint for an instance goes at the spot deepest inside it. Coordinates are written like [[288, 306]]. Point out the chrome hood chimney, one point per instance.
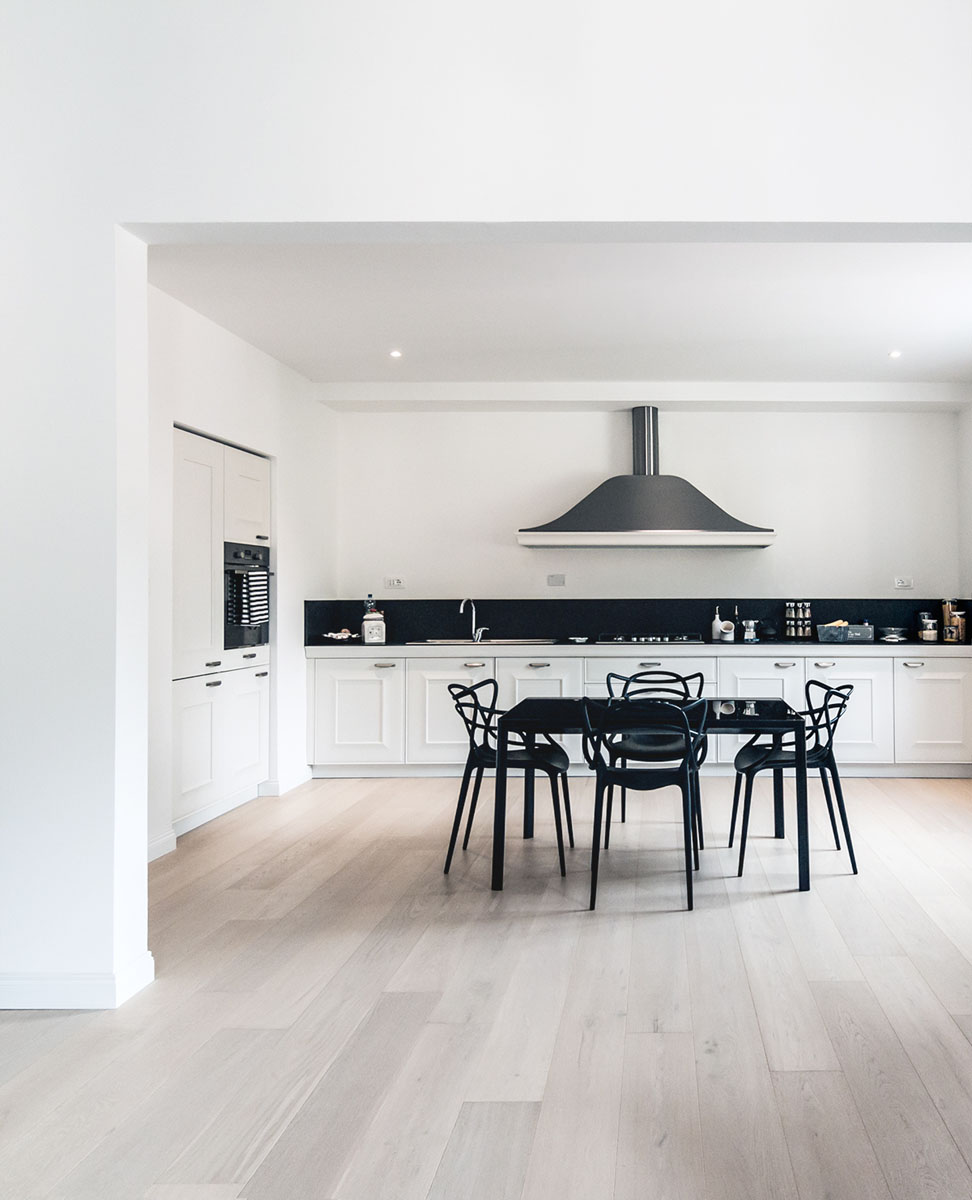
[[645, 508]]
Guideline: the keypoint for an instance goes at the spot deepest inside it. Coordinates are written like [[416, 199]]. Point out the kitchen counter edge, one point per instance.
[[653, 650]]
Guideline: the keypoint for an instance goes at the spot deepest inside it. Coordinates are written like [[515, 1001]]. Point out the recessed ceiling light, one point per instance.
[[895, 354], [395, 353]]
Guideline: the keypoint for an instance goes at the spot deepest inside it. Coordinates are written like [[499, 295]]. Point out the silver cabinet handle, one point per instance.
[[830, 664], [253, 655], [479, 664], [782, 664], [921, 664], [261, 674], [215, 683], [263, 537], [650, 664], [217, 663], [386, 664], [538, 664]]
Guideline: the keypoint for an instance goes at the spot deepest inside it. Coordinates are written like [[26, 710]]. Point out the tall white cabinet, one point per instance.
[[220, 698]]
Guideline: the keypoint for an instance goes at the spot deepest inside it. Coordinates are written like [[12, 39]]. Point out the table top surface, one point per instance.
[[727, 714]]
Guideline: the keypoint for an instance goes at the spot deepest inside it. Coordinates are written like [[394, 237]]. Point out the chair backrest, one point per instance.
[[825, 706], [477, 707], [604, 719], [662, 684]]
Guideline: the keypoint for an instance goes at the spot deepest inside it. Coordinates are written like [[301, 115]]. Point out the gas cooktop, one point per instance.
[[628, 639]]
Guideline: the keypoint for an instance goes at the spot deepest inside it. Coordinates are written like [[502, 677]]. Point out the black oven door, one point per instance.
[[246, 588]]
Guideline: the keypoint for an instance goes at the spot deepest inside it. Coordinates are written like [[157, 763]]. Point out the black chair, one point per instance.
[[477, 707], [677, 726], [825, 707], [661, 685]]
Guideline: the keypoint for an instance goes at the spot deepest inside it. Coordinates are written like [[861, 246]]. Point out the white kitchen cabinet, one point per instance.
[[246, 497], [197, 555], [933, 710], [434, 732], [540, 675], [597, 670], [866, 730], [358, 711], [221, 741], [778, 677]]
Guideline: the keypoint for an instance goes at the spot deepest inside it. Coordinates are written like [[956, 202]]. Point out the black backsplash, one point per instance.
[[416, 620]]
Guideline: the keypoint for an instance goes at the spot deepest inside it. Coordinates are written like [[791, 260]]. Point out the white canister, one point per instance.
[[373, 629], [727, 632]]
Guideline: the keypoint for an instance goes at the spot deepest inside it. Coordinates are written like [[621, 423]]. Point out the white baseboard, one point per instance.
[[165, 843], [78, 990], [210, 811], [580, 771]]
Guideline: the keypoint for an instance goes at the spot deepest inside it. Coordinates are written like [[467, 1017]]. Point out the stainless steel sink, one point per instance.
[[484, 642]]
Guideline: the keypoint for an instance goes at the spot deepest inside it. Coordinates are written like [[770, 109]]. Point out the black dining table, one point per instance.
[[727, 715]]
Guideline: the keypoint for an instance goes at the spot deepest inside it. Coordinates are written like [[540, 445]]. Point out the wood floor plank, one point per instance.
[[575, 1146], [793, 1033], [913, 1145], [309, 1158], [660, 1137], [829, 1147], [487, 1154], [744, 1149], [937, 1047]]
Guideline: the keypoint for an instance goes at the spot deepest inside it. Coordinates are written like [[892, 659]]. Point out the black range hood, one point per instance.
[[645, 508]]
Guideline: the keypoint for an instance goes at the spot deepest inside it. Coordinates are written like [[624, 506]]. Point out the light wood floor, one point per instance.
[[333, 1019]]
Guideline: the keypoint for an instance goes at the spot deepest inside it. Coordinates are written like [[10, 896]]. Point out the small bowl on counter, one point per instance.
[[893, 633]]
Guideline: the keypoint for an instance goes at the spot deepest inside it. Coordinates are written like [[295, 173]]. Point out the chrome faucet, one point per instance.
[[477, 630]]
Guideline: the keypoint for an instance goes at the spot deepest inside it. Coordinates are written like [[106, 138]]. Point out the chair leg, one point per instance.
[[472, 806], [596, 842], [694, 812], [735, 808], [747, 802], [570, 824], [624, 796], [698, 809], [688, 837], [830, 806], [607, 820], [557, 822], [839, 796], [458, 819]]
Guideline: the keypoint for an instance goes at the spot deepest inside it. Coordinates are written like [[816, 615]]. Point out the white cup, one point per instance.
[[727, 632]]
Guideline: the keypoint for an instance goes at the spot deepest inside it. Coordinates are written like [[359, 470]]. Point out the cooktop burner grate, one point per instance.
[[640, 639]]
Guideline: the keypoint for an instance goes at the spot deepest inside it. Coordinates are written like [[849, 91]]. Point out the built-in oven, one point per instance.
[[246, 574]]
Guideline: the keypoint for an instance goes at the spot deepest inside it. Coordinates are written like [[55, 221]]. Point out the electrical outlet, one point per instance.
[[556, 581], [393, 582], [904, 581]]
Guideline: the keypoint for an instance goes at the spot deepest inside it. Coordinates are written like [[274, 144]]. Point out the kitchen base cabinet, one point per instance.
[[519, 678], [434, 732], [866, 730], [779, 677], [933, 710], [221, 736], [357, 711]]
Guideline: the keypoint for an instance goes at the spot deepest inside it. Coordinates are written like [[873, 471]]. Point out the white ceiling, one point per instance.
[[537, 303]]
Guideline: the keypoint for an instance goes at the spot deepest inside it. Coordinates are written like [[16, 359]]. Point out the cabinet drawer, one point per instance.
[[598, 668], [246, 656]]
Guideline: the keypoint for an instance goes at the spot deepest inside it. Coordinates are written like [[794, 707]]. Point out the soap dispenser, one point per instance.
[[717, 626], [372, 624]]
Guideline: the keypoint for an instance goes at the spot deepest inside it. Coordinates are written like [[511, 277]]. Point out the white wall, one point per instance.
[[201, 111], [856, 498], [205, 378]]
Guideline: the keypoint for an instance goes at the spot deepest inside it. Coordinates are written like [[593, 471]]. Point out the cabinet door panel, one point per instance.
[[434, 730], [866, 730], [933, 710], [780, 678], [519, 678], [195, 725], [359, 711], [245, 728], [246, 497], [197, 555]]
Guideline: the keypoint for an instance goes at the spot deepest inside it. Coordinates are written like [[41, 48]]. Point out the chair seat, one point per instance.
[[541, 758], [646, 747], [766, 758]]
